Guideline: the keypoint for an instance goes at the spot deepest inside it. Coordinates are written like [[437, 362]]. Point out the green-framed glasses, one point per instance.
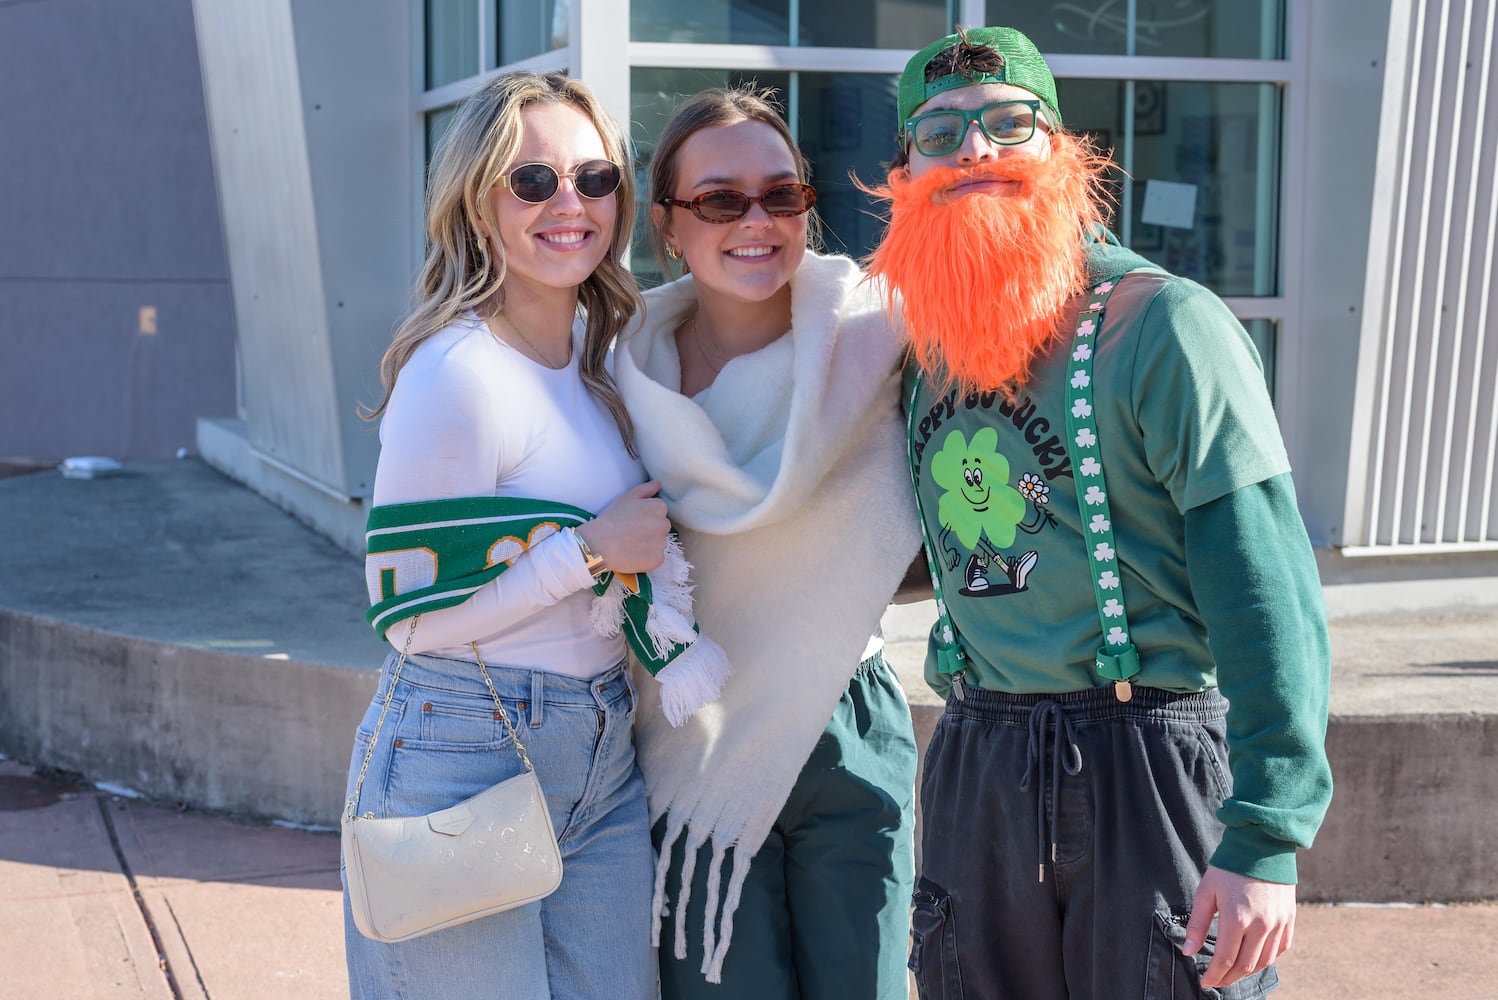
[[1005, 123]]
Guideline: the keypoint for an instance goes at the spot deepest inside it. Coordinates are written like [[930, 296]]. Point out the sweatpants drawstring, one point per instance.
[[1048, 713]]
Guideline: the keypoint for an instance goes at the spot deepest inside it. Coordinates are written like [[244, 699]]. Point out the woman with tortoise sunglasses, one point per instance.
[[763, 389]]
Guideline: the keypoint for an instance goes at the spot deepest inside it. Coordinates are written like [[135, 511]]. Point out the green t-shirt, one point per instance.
[[1184, 418]]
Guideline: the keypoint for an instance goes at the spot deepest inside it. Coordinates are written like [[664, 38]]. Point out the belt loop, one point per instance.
[[538, 696], [629, 686]]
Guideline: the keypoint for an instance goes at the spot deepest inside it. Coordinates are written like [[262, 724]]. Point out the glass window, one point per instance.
[[737, 22], [847, 123], [847, 24], [1202, 185], [1222, 29], [451, 41], [436, 124], [528, 29], [1265, 335], [844, 122], [874, 24]]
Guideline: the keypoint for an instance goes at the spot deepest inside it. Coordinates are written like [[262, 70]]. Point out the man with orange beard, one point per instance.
[[1097, 822]]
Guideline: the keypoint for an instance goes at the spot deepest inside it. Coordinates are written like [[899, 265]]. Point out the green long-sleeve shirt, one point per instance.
[[1216, 571]]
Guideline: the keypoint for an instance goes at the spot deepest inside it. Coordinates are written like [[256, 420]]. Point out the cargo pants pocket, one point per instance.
[[933, 943], [1171, 975]]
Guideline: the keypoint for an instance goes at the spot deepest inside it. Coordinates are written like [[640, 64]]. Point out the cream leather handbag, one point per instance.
[[409, 876]]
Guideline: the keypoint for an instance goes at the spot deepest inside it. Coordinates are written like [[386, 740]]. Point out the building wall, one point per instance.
[[1347, 40], [1347, 153], [107, 209], [117, 322], [309, 106]]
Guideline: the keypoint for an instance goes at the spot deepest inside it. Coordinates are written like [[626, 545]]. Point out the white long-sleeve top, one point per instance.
[[471, 416]]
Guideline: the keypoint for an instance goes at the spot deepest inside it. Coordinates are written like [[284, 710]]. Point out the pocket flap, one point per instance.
[[451, 822]]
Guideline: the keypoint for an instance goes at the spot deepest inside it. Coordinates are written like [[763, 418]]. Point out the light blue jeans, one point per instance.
[[441, 743]]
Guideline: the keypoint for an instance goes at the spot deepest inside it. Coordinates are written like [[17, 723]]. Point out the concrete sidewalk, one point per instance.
[[102, 896], [170, 631], [105, 897]]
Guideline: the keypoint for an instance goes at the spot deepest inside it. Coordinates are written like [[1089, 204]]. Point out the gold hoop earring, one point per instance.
[[673, 252]]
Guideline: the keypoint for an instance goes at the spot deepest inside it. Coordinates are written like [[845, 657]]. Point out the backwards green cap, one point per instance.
[[1021, 65]]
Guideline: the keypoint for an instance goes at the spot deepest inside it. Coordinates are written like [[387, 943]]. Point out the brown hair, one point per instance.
[[463, 270], [709, 109], [972, 59]]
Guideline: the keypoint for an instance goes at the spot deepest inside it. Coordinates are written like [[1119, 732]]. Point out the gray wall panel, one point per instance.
[[354, 59], [107, 205], [1347, 44], [87, 381], [310, 113], [105, 153], [253, 94], [1424, 455]]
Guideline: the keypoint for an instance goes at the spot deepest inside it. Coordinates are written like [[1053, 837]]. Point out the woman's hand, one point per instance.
[[631, 532]]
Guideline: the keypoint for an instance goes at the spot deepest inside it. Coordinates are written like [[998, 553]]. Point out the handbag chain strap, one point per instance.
[[353, 799], [499, 707]]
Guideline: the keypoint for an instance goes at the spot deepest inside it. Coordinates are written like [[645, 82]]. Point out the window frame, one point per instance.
[[593, 53]]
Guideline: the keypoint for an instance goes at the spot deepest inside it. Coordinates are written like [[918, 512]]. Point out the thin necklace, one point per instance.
[[701, 349], [539, 353]]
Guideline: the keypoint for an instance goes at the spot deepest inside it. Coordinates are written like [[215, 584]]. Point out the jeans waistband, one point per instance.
[[462, 677]]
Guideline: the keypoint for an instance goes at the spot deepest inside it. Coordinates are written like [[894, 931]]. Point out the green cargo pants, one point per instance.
[[825, 911]]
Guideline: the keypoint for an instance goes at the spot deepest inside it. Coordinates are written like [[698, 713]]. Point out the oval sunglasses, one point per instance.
[[539, 182], [783, 201]]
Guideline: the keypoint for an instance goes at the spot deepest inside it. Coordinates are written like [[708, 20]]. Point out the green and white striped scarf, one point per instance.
[[435, 554]]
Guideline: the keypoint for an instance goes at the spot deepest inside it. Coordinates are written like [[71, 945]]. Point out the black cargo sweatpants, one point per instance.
[[1063, 837]]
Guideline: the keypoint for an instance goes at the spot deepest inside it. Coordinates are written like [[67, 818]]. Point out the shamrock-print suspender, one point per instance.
[[950, 659], [1116, 659]]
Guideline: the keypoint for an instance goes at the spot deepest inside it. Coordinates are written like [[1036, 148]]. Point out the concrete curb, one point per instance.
[[133, 609], [1410, 821], [237, 734], [1411, 816]]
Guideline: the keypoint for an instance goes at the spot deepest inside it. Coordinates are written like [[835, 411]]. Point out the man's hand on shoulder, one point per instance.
[[1255, 924]]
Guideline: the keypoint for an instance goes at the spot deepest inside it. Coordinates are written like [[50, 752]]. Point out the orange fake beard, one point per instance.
[[983, 280]]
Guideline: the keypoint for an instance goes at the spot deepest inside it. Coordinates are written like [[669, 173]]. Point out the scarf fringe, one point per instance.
[[714, 970], [669, 623], [684, 895], [714, 945], [710, 912], [606, 614], [662, 868], [692, 680]]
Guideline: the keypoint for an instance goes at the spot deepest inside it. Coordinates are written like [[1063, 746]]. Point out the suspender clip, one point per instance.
[[958, 687]]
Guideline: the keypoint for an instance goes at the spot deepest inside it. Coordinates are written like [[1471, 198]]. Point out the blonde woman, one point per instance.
[[764, 391], [497, 390]]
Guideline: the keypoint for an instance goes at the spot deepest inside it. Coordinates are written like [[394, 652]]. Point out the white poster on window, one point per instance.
[[1168, 203]]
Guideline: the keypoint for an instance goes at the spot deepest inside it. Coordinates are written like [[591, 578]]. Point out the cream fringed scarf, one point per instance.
[[787, 481]]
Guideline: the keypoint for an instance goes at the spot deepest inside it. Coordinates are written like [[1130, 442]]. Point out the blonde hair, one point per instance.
[[710, 109], [463, 270]]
